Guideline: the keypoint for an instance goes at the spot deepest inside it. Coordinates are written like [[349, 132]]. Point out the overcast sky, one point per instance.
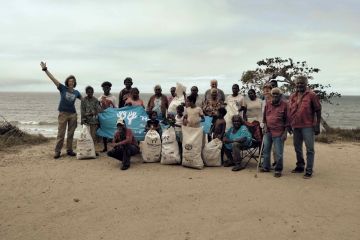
[[169, 41]]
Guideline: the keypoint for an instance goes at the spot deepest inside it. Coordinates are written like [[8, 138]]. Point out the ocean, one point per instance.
[[37, 112]]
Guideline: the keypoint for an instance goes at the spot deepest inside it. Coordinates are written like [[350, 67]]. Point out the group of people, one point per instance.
[[277, 115]]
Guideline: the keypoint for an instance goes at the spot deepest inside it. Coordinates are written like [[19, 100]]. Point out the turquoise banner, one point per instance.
[[135, 118]]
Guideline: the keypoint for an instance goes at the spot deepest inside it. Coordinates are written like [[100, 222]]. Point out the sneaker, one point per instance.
[[277, 174], [237, 168], [228, 164], [298, 170], [124, 167], [307, 175], [71, 153], [57, 155], [264, 170]]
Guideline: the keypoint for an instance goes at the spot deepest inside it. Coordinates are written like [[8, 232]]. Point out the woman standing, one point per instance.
[[253, 109], [67, 112], [134, 99]]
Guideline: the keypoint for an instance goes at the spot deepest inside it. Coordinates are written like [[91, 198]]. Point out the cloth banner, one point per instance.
[[135, 118]]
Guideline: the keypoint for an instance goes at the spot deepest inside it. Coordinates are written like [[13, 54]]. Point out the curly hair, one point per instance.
[[104, 84], [89, 88], [67, 80]]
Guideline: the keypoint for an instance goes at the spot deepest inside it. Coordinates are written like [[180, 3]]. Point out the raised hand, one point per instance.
[[43, 65]]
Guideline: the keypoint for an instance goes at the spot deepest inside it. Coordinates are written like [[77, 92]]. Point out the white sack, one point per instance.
[[85, 148], [169, 147], [151, 148], [212, 153], [192, 146]]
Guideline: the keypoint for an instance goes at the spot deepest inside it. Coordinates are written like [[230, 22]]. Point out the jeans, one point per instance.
[[68, 120], [234, 155], [124, 153], [279, 150], [304, 135]]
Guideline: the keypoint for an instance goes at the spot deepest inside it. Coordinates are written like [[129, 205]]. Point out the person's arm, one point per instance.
[[245, 115], [185, 120], [99, 109], [128, 102], [147, 127], [156, 127], [264, 120], [226, 137], [166, 102], [128, 138], [222, 95], [120, 99], [52, 78], [317, 108], [201, 114], [150, 104], [317, 126], [83, 113]]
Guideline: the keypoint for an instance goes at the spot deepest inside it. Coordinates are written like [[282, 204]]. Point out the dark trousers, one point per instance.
[[234, 154], [123, 153]]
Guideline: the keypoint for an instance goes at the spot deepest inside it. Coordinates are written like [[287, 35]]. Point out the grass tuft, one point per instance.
[[11, 135]]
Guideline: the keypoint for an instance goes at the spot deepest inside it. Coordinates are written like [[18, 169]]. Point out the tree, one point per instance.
[[283, 70]]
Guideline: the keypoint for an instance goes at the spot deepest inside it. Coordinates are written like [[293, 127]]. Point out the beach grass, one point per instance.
[[339, 134], [11, 135]]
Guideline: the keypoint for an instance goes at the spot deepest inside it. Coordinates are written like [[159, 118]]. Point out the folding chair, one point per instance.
[[257, 137]]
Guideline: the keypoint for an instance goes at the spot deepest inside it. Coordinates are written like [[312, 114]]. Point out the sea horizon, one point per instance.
[[36, 112]]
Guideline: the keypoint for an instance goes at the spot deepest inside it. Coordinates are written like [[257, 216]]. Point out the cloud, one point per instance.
[[164, 41]]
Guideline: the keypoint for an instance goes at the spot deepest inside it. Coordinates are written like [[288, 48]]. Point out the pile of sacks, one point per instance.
[[196, 151]]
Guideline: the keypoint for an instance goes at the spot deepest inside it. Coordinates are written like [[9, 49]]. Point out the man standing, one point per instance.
[[275, 129], [158, 103], [234, 105], [172, 94], [125, 93], [214, 84], [305, 115]]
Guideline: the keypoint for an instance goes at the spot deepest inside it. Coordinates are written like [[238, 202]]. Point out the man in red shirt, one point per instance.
[[305, 115], [124, 145], [276, 122]]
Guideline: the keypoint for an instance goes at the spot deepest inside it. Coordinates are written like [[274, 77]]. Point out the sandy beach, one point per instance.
[[43, 198]]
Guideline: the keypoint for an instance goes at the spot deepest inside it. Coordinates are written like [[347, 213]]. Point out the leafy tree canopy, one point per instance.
[[284, 71]]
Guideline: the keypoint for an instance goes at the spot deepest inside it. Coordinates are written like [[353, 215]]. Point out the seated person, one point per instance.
[[235, 138], [124, 144], [152, 123]]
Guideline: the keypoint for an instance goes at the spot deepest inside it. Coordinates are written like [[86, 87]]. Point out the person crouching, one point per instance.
[[124, 145]]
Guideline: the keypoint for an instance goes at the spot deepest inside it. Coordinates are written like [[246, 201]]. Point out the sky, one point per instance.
[[168, 41]]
